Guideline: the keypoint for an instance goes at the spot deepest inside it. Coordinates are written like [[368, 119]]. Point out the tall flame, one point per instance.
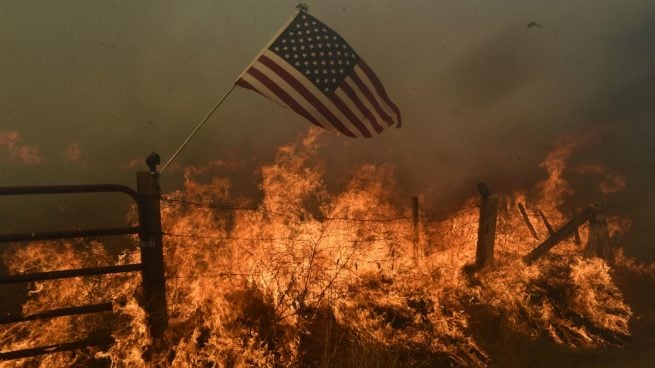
[[309, 277]]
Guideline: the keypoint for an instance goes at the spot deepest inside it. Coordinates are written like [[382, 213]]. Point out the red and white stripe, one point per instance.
[[359, 107]]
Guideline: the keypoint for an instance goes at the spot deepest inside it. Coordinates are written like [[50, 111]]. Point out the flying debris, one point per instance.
[[533, 25]]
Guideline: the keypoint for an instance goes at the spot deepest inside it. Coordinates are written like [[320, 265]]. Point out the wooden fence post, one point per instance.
[[484, 254], [565, 231], [417, 251], [598, 243], [526, 219], [549, 227], [152, 255]]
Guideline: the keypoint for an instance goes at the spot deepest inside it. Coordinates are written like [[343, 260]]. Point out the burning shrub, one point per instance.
[[307, 277]]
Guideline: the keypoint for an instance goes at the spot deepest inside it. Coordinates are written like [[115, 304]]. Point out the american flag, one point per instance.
[[312, 70]]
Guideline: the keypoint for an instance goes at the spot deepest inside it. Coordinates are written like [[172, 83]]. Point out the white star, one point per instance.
[[291, 33], [340, 71], [302, 47], [328, 44], [295, 56], [331, 62], [293, 48], [323, 62], [333, 71], [334, 80], [314, 62], [347, 62], [306, 62], [324, 30], [304, 54], [286, 55], [327, 89], [330, 53], [325, 72], [338, 52], [284, 41]]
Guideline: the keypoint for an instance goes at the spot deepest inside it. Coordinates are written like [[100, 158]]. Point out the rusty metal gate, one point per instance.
[[147, 198]]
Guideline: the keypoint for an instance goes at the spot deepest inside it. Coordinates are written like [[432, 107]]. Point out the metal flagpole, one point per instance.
[[202, 122], [300, 8]]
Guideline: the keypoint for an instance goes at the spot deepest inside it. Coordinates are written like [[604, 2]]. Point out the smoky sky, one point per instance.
[[485, 87]]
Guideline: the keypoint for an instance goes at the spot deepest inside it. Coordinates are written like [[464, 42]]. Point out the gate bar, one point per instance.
[[67, 234], [61, 312], [67, 189], [49, 349], [52, 275]]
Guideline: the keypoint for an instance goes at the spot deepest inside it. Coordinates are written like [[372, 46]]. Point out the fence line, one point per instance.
[[223, 207]]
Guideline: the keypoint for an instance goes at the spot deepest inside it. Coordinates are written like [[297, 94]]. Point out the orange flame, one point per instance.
[[261, 284]]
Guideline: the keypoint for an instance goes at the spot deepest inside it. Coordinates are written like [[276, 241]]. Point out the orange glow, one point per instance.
[[245, 286]]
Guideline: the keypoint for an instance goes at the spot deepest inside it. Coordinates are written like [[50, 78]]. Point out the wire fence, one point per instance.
[[425, 218], [432, 217]]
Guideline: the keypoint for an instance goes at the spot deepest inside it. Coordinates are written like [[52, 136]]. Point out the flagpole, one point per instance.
[[202, 122], [218, 104]]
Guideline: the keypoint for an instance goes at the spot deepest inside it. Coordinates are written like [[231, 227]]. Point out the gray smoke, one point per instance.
[[483, 94]]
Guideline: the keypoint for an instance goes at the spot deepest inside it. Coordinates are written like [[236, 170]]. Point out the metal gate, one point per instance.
[[147, 198]]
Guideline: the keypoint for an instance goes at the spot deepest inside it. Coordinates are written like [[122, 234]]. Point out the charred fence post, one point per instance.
[[152, 255], [561, 234], [526, 219], [484, 254], [549, 227], [598, 243], [417, 251]]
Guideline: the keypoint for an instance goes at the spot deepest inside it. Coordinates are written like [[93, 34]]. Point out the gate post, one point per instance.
[[152, 255]]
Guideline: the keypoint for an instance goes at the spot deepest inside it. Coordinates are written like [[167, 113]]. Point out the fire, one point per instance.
[[73, 152], [12, 150], [309, 277]]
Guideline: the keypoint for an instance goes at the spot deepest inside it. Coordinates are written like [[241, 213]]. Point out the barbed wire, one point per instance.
[[224, 207], [214, 237]]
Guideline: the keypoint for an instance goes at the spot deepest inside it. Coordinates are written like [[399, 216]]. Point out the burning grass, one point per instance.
[[312, 278]]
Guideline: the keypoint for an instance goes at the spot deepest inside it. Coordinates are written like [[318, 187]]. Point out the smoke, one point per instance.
[[483, 95], [15, 151]]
